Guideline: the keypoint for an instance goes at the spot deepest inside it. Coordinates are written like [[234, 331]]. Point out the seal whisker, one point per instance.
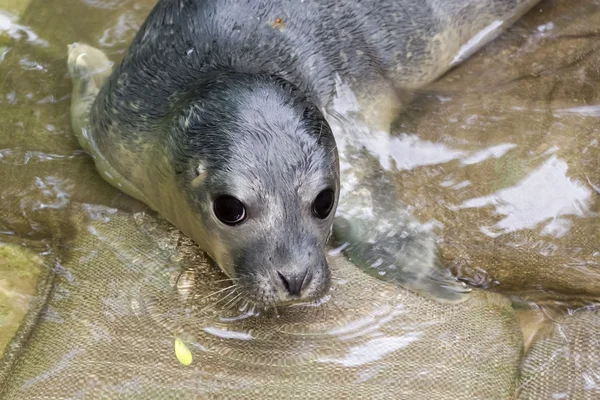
[[217, 292], [224, 297], [244, 306], [226, 280], [314, 314], [212, 305], [231, 303], [238, 301]]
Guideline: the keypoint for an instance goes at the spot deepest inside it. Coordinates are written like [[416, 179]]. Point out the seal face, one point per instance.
[[258, 163]]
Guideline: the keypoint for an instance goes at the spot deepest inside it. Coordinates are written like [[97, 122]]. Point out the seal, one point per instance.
[[232, 118]]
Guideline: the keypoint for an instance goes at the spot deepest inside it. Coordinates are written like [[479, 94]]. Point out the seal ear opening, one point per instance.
[[199, 175]]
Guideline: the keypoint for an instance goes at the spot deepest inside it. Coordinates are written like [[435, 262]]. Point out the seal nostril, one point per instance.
[[295, 283], [286, 284]]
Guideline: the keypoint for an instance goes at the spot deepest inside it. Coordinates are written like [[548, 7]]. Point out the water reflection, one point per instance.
[[120, 33], [373, 350], [9, 25], [497, 151], [547, 193], [587, 111]]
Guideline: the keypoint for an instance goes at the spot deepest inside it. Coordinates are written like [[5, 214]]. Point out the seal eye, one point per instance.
[[229, 210], [323, 204]]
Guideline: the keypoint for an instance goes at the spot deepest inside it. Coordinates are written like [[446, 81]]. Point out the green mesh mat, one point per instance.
[[564, 363], [108, 328], [107, 311], [518, 199]]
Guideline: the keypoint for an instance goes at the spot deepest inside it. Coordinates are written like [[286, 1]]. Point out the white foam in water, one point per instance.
[[8, 25]]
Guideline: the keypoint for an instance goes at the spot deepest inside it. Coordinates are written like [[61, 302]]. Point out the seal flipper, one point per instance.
[[382, 238], [90, 68], [406, 256]]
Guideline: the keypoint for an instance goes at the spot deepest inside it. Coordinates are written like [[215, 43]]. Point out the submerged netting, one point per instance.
[[519, 204], [112, 315], [105, 318], [565, 361], [107, 310]]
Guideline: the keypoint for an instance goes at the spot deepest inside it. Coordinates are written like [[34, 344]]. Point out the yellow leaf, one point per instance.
[[184, 355]]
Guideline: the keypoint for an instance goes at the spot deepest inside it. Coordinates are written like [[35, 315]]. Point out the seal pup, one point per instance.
[[225, 117]]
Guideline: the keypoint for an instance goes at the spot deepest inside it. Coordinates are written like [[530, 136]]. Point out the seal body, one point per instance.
[[224, 116]]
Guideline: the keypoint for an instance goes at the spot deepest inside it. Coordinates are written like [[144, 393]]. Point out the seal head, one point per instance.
[[257, 163]]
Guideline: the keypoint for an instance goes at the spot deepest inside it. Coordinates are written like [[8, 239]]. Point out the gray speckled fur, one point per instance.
[[364, 41], [220, 86]]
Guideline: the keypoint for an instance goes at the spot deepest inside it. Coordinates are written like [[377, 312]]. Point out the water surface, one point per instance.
[[501, 157]]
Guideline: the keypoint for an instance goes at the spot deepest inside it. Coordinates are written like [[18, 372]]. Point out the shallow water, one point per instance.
[[519, 192], [501, 156], [34, 101]]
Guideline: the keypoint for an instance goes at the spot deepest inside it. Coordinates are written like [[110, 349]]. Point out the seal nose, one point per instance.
[[294, 283]]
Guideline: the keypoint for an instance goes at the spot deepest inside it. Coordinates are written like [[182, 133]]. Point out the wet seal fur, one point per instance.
[[237, 98]]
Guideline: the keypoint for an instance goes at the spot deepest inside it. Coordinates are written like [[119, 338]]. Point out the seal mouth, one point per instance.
[[278, 288], [276, 275], [283, 288]]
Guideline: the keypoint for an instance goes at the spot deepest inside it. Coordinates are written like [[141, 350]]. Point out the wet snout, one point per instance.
[[294, 283], [285, 272], [302, 277]]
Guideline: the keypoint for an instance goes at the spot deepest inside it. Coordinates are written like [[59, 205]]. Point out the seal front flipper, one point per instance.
[[397, 251], [89, 69], [380, 236]]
